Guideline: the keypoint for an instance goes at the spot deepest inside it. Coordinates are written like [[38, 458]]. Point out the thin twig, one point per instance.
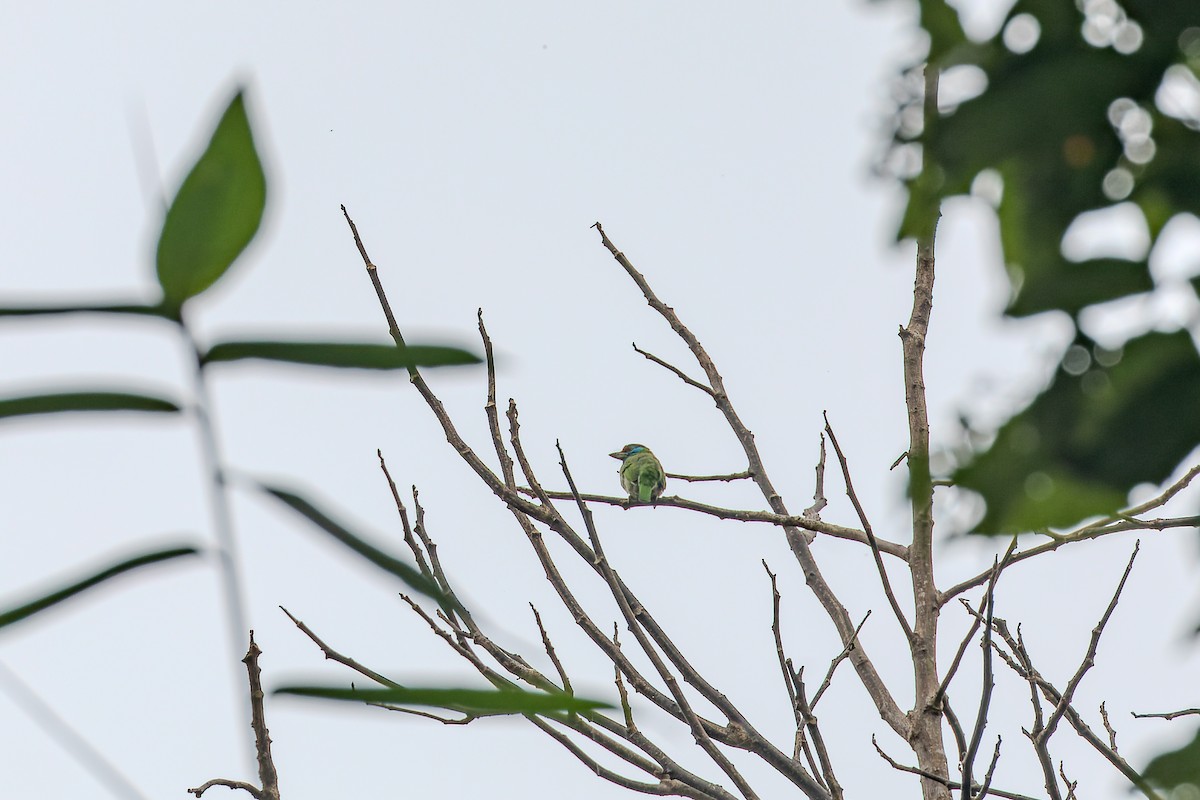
[[1090, 658], [678, 372], [562, 673], [862, 517], [976, 622], [814, 731], [1187, 712], [418, 553], [1022, 664], [732, 476], [1112, 733], [991, 771], [492, 412], [819, 499], [812, 524], [1070, 783], [838, 659], [989, 683], [779, 652], [949, 784], [334, 655]]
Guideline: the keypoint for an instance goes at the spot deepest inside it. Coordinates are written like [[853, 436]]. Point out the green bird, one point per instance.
[[641, 473]]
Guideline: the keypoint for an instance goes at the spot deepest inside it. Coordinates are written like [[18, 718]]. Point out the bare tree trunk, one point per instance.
[[925, 733]]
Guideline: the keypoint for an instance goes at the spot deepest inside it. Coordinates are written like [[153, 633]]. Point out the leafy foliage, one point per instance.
[[29, 608], [1178, 767], [61, 402], [385, 561], [1073, 122], [350, 355], [216, 212], [467, 701]]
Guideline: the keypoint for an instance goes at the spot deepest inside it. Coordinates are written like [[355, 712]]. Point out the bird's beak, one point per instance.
[[620, 455]]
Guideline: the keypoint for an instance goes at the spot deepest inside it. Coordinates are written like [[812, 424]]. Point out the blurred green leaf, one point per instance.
[[1078, 448], [945, 31], [60, 402], [1181, 766], [358, 355], [470, 701], [139, 309], [388, 563], [57, 596], [216, 212]]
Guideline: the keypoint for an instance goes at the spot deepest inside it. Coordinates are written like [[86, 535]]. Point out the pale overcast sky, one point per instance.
[[726, 148]]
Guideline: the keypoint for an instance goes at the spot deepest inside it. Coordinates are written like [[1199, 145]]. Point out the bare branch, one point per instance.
[[819, 500], [838, 659], [1022, 664], [862, 517], [678, 372], [956, 728], [949, 784], [1070, 783], [245, 787], [418, 554], [562, 673], [1090, 658], [991, 771], [814, 731], [492, 412], [997, 567], [334, 655], [267, 773], [989, 683], [732, 476], [785, 521], [1112, 733], [779, 652], [1166, 714]]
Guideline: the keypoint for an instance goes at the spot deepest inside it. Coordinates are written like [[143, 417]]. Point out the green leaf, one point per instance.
[[216, 212], [469, 701], [1177, 767], [941, 22], [60, 402], [385, 561], [57, 596], [1075, 451], [356, 355], [140, 309]]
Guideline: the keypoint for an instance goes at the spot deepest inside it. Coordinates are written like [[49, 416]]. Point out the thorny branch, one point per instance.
[[267, 774]]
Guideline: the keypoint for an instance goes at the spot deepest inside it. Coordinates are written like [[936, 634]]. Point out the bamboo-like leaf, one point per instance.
[[469, 701], [18, 613], [385, 561], [60, 402], [139, 309], [355, 355], [216, 212]]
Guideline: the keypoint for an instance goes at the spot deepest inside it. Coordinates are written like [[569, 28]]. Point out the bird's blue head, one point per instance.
[[629, 450]]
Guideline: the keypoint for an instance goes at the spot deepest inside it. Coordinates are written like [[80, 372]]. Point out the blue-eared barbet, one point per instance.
[[641, 473]]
